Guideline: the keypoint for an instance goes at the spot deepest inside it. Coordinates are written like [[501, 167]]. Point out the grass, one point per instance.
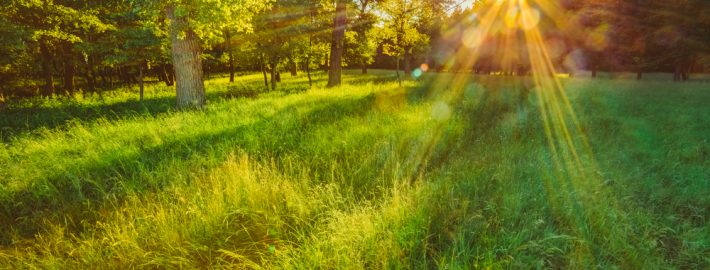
[[368, 175]]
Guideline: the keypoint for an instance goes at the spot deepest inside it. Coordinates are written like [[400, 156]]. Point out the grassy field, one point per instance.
[[367, 176]]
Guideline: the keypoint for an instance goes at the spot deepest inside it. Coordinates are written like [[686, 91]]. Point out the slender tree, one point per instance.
[[337, 44]]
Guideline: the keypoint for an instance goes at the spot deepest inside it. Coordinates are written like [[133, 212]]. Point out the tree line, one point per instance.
[[61, 47]]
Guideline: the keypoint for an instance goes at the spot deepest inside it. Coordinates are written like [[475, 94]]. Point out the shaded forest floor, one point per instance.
[[369, 175]]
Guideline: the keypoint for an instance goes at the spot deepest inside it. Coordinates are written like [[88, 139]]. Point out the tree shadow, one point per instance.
[[71, 200], [27, 119]]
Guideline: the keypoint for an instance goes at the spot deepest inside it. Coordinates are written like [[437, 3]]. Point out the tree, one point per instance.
[[337, 44], [400, 36], [359, 49], [193, 25]]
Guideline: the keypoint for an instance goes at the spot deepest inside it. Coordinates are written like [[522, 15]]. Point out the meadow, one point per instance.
[[369, 175]]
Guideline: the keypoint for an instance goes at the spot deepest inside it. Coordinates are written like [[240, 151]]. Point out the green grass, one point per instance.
[[369, 175]]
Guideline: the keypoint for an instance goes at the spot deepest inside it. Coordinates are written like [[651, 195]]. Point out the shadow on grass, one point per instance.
[[71, 200], [18, 120]]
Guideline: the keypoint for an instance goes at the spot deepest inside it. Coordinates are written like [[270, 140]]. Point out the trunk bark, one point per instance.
[[594, 72], [140, 79], [69, 69], [206, 71], [273, 76], [48, 88], [688, 69], [399, 80], [308, 71], [407, 63], [170, 71], [90, 74], [230, 54], [190, 89], [294, 69], [363, 66], [161, 74], [639, 75], [263, 70], [102, 75], [110, 77], [336, 46]]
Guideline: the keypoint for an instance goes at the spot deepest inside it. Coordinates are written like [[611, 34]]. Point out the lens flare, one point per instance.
[[424, 67], [519, 47], [416, 73]]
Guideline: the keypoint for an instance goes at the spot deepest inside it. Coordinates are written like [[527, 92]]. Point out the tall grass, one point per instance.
[[368, 175]]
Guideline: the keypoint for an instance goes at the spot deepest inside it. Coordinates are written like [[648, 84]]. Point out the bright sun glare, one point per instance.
[[566, 140]]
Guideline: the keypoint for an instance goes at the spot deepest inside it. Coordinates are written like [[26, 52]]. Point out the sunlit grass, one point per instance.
[[369, 175]]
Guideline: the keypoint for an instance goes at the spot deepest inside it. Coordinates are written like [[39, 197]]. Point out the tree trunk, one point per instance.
[[120, 75], [90, 74], [639, 75], [363, 66], [273, 75], [399, 80], [230, 54], [69, 69], [102, 75], [140, 79], [688, 69], [206, 71], [407, 63], [308, 71], [594, 71], [48, 88], [263, 70], [190, 89], [294, 69], [171, 74], [110, 77], [336, 46]]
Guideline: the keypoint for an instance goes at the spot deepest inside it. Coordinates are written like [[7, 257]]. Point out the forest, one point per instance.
[[65, 47], [355, 134]]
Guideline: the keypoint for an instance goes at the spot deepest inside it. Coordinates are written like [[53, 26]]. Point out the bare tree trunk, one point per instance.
[[160, 72], [308, 71], [336, 46], [263, 70], [639, 75], [293, 68], [69, 69], [688, 69], [273, 75], [90, 74], [230, 54], [399, 80], [206, 70], [102, 75], [407, 63], [140, 79], [190, 88], [363, 66], [110, 77], [169, 74], [48, 88]]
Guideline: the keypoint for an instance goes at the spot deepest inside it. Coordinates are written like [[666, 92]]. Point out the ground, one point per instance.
[[430, 174]]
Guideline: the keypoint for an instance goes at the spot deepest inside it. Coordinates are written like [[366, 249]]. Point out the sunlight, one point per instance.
[[570, 153]]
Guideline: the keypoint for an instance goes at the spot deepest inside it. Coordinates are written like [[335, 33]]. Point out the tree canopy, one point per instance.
[[100, 44]]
